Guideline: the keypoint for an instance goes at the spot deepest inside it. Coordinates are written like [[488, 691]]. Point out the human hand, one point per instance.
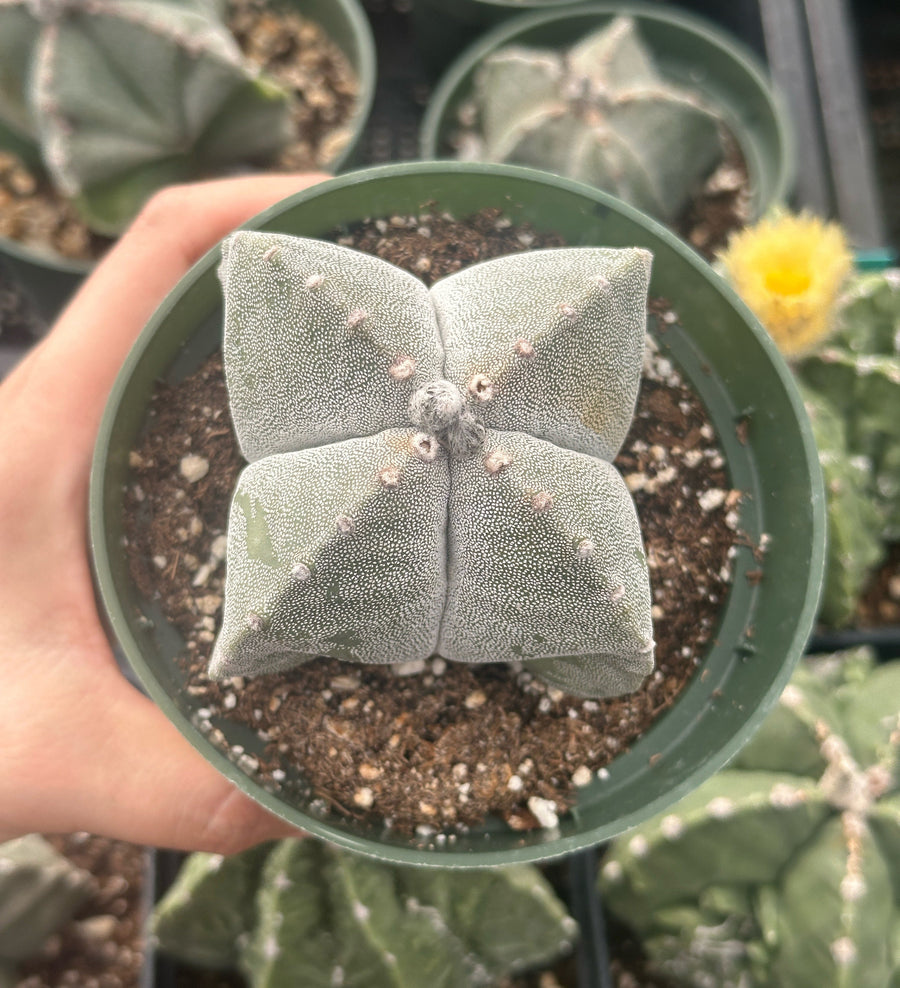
[[80, 747]]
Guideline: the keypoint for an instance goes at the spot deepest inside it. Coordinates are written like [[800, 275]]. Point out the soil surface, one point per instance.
[[103, 946], [434, 747], [295, 51]]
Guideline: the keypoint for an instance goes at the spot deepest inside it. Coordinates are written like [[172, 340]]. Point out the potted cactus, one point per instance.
[[635, 100], [852, 381], [766, 444], [106, 132], [441, 424], [302, 912], [782, 869]]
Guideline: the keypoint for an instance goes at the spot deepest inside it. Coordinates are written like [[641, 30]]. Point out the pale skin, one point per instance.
[[80, 747]]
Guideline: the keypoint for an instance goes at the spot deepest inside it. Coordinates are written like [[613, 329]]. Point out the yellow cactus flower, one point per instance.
[[789, 269]]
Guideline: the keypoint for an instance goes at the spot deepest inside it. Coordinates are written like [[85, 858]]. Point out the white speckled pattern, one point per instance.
[[355, 534]]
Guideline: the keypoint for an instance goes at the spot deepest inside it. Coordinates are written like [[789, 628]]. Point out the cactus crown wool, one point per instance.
[[430, 470]]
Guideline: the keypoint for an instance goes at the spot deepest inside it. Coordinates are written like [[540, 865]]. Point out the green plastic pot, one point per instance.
[[737, 372], [444, 27], [50, 279], [689, 51]]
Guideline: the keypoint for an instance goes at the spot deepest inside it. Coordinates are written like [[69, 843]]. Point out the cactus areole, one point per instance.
[[430, 470]]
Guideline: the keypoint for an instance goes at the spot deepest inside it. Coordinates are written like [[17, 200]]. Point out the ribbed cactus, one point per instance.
[[302, 913], [430, 470], [125, 96], [855, 525], [783, 870], [599, 112], [854, 381], [40, 890]]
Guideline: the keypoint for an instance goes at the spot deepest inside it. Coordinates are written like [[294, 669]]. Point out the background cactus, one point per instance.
[[852, 387], [430, 469], [302, 913], [599, 112], [784, 869], [40, 890], [125, 96]]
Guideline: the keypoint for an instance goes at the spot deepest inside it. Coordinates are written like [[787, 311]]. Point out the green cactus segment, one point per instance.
[[853, 391], [741, 830], [391, 941], [600, 113], [322, 343], [511, 86], [509, 917], [884, 821], [18, 33], [855, 524], [560, 356], [844, 939], [335, 551], [575, 593], [202, 918], [292, 941], [129, 95], [321, 917], [40, 891], [811, 873]]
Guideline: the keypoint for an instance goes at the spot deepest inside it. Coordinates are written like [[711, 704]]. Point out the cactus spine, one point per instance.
[[303, 913], [40, 891], [783, 870], [125, 96], [599, 112], [428, 466]]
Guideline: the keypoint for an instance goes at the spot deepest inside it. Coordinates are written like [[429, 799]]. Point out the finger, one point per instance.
[[78, 361]]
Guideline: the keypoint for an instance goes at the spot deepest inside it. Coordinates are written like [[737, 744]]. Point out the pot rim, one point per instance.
[[451, 81], [544, 846]]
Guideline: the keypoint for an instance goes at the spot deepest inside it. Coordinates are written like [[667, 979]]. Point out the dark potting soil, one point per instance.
[[103, 946], [296, 52], [433, 746]]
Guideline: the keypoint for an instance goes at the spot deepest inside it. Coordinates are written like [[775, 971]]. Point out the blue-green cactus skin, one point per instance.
[[784, 869], [40, 890], [431, 470], [126, 96], [599, 112], [319, 917], [853, 393]]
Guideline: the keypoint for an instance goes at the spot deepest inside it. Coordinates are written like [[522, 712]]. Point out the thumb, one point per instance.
[[145, 783]]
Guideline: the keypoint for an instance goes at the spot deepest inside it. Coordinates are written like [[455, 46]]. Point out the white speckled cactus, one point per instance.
[[300, 913], [599, 112], [430, 470], [40, 890], [784, 869], [125, 96]]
